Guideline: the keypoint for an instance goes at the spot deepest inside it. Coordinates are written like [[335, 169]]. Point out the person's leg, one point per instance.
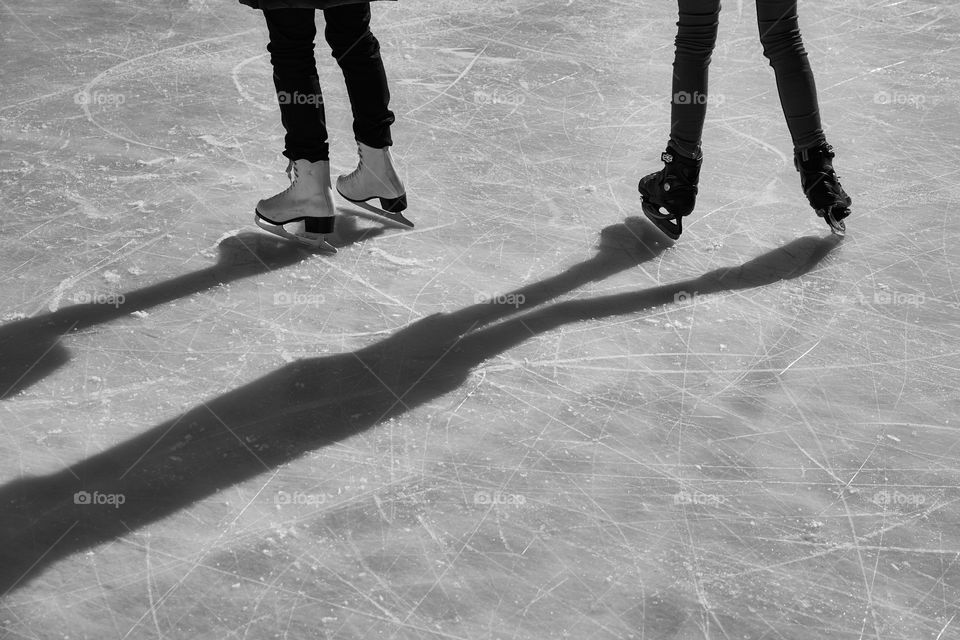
[[783, 47], [671, 193], [308, 202], [357, 52], [813, 157], [292, 33], [696, 36]]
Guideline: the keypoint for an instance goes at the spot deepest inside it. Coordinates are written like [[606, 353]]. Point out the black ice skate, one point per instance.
[[670, 193], [822, 186], [375, 177], [307, 205]]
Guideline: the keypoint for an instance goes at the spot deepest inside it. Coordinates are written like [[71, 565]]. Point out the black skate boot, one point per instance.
[[822, 186], [673, 189]]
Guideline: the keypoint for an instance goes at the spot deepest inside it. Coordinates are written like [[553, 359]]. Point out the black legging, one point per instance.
[[782, 45], [292, 34]]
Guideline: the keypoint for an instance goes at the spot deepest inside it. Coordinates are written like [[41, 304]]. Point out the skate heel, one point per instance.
[[307, 202], [319, 225], [394, 205]]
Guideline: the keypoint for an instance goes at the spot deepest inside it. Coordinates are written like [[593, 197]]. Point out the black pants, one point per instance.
[[292, 34], [783, 47]]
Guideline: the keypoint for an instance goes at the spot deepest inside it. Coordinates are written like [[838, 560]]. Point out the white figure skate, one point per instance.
[[306, 205], [375, 177]]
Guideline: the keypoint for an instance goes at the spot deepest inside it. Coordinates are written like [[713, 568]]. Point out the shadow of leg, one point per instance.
[[314, 402]]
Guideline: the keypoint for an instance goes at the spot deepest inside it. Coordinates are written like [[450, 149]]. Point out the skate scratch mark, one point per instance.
[[399, 399], [769, 147], [37, 561], [853, 530], [926, 513], [565, 57], [439, 272], [433, 534], [801, 356], [385, 585], [815, 461], [44, 41], [366, 596], [514, 470], [923, 26], [204, 552], [865, 460], [940, 635], [176, 423], [415, 231], [848, 546], [449, 565], [395, 260], [38, 98], [89, 86], [54, 304], [865, 73], [235, 76], [575, 363], [541, 593], [455, 81], [651, 467], [153, 606], [103, 594], [370, 286], [289, 592]]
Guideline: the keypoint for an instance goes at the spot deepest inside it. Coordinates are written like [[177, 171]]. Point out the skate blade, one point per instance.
[[310, 240], [380, 215], [666, 224], [837, 226]]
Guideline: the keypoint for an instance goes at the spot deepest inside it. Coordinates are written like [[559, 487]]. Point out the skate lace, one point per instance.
[[292, 175], [355, 174]]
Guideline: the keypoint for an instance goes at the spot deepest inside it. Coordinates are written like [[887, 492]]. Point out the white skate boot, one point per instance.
[[375, 177], [307, 203]]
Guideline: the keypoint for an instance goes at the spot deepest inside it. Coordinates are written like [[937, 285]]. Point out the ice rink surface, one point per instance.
[[531, 416]]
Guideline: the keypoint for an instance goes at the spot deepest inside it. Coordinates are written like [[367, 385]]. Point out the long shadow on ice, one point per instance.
[[314, 402], [31, 349]]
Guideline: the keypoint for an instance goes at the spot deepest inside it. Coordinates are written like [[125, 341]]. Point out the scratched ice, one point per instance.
[[529, 417]]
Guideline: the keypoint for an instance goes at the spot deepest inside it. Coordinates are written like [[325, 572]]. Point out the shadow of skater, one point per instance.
[[317, 401], [30, 349]]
